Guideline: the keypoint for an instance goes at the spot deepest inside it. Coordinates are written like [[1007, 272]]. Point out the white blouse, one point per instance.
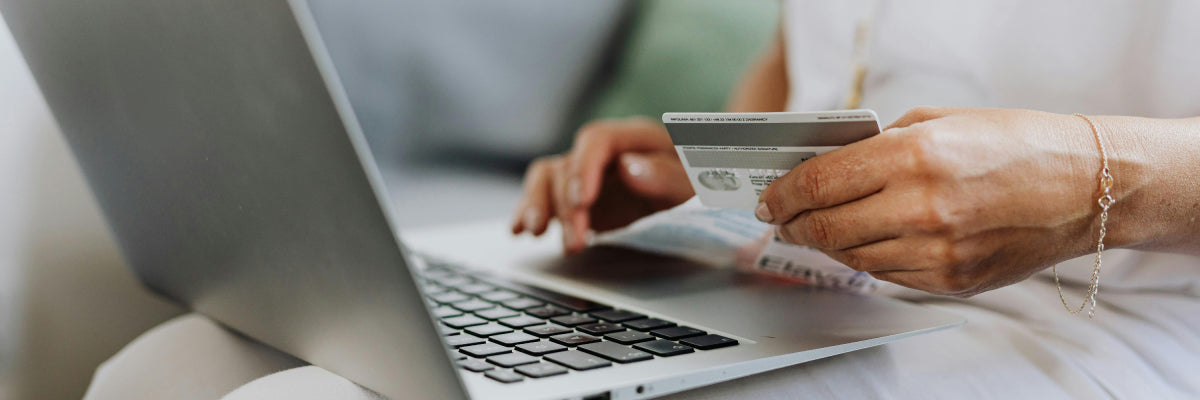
[[1095, 57], [1112, 57]]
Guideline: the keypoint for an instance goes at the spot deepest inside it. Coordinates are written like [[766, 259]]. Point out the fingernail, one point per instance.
[[573, 195], [532, 217], [636, 166], [763, 213]]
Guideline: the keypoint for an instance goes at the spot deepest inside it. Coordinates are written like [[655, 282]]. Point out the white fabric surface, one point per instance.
[[1018, 343], [1118, 57]]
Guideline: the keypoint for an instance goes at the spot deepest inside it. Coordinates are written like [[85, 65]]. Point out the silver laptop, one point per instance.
[[223, 151]]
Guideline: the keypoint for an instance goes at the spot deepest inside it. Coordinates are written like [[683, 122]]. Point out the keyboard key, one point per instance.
[[463, 321], [474, 365], [577, 360], [435, 273], [573, 320], [709, 342], [512, 359], [453, 280], [432, 288], [513, 338], [521, 321], [449, 297], [457, 341], [541, 370], [648, 324], [447, 331], [628, 337], [496, 313], [546, 311], [488, 330], [457, 282], [472, 305], [616, 352], [476, 288], [677, 332], [540, 348], [546, 330], [504, 375], [664, 348], [498, 296], [617, 315], [484, 350], [446, 312], [573, 339], [521, 303], [600, 328]]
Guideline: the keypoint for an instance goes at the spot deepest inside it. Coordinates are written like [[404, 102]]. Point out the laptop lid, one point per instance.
[[228, 163]]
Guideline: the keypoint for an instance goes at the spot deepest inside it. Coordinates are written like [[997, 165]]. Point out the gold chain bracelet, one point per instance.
[[1105, 201]]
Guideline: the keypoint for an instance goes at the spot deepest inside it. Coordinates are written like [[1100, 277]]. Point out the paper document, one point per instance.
[[734, 238]]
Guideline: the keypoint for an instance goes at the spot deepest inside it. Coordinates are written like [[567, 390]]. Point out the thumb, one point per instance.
[[658, 176]]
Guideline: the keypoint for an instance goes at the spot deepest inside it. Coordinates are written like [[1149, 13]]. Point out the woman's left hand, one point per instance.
[[949, 201]]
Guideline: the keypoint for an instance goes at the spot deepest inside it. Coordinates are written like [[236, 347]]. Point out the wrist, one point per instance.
[[1152, 163]]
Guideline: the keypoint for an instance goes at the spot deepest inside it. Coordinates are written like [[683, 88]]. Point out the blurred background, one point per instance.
[[456, 98]]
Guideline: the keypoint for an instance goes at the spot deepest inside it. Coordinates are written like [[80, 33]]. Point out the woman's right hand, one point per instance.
[[617, 172]]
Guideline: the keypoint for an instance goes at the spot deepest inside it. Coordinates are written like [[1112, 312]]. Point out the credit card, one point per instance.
[[731, 157]]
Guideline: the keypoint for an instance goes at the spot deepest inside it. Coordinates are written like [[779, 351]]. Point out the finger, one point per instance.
[[656, 176], [922, 114], [598, 144], [534, 212], [908, 279], [562, 208], [928, 281], [919, 262], [881, 216], [580, 225], [846, 174], [908, 253]]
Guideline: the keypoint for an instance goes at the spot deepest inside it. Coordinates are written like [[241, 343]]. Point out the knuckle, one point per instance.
[[932, 216], [811, 185], [925, 152], [816, 229], [945, 255]]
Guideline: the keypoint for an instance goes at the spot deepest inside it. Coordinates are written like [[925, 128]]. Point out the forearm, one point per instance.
[[764, 86], [1156, 167]]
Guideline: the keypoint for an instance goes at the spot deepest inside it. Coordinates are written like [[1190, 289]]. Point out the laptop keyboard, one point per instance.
[[511, 332]]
